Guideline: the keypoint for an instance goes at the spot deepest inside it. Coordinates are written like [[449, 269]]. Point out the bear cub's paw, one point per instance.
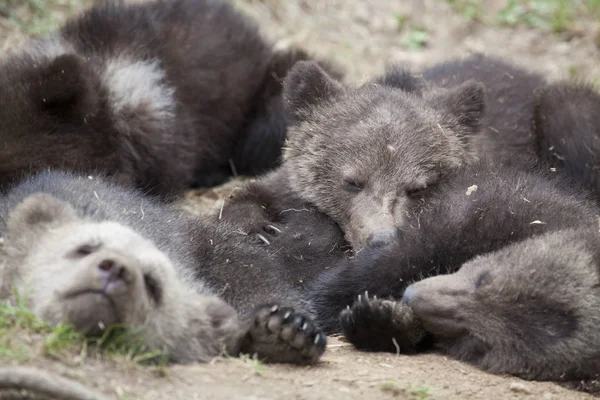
[[279, 334], [374, 324]]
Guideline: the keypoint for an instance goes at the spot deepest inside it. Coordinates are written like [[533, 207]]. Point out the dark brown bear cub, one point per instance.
[[163, 95], [367, 156]]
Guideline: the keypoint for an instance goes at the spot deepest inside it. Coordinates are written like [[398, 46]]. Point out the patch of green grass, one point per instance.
[[413, 392], [258, 365], [401, 20], [470, 9], [127, 343], [38, 17], [419, 392], [18, 316], [556, 15], [62, 337], [18, 322], [416, 38]]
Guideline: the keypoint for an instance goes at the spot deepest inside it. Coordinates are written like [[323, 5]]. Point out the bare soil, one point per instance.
[[362, 36]]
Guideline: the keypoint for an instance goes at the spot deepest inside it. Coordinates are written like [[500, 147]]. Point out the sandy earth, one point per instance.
[[362, 36]]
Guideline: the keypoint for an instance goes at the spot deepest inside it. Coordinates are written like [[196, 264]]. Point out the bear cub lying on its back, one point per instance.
[[94, 254], [162, 95]]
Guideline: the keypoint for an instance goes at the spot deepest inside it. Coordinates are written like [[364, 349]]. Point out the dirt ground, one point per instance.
[[362, 35]]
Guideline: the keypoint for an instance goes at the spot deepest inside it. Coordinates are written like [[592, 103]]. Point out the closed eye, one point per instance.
[[353, 184], [85, 250], [416, 192]]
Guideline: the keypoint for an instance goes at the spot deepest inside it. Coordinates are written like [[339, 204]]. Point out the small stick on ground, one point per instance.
[[45, 383]]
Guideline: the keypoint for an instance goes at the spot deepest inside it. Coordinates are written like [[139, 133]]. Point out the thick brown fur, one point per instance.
[[530, 309], [365, 156], [567, 127], [162, 95], [477, 210], [509, 98], [304, 241], [92, 253], [524, 299]]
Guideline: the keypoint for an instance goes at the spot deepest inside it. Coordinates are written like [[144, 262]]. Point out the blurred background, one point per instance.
[[558, 37]]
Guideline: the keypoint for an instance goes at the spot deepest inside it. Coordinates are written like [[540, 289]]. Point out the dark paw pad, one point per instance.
[[278, 334], [382, 325]]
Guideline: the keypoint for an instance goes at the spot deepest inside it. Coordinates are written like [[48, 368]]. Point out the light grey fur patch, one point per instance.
[[47, 48], [139, 85]]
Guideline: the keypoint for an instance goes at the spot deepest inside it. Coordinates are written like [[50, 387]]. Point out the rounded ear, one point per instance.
[[307, 85], [64, 86], [40, 211], [465, 102]]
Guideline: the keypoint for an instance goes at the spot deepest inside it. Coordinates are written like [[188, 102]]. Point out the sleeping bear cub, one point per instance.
[[366, 156], [93, 254], [161, 95]]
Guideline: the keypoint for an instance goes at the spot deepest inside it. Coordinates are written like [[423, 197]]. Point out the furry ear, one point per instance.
[[40, 211], [465, 102], [64, 87], [306, 85]]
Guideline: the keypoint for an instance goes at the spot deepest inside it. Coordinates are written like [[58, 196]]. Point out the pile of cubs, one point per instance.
[[453, 208]]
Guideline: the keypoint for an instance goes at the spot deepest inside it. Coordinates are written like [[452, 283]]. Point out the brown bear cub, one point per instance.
[[162, 95], [367, 156], [530, 309], [523, 302], [88, 252]]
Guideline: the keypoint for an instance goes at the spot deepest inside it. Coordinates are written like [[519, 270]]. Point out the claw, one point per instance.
[[317, 339], [264, 239], [274, 309], [367, 295], [304, 326], [348, 308], [287, 315], [359, 298], [274, 228]]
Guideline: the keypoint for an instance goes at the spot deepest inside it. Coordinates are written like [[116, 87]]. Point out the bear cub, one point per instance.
[[89, 252], [162, 95], [520, 237], [367, 156]]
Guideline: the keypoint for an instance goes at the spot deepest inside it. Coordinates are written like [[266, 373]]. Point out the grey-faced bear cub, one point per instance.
[[162, 95], [92, 253], [367, 156]]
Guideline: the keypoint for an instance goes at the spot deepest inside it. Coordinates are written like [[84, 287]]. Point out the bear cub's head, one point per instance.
[[531, 307], [365, 156]]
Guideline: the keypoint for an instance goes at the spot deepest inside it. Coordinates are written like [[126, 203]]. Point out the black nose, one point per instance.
[[381, 237], [111, 271]]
